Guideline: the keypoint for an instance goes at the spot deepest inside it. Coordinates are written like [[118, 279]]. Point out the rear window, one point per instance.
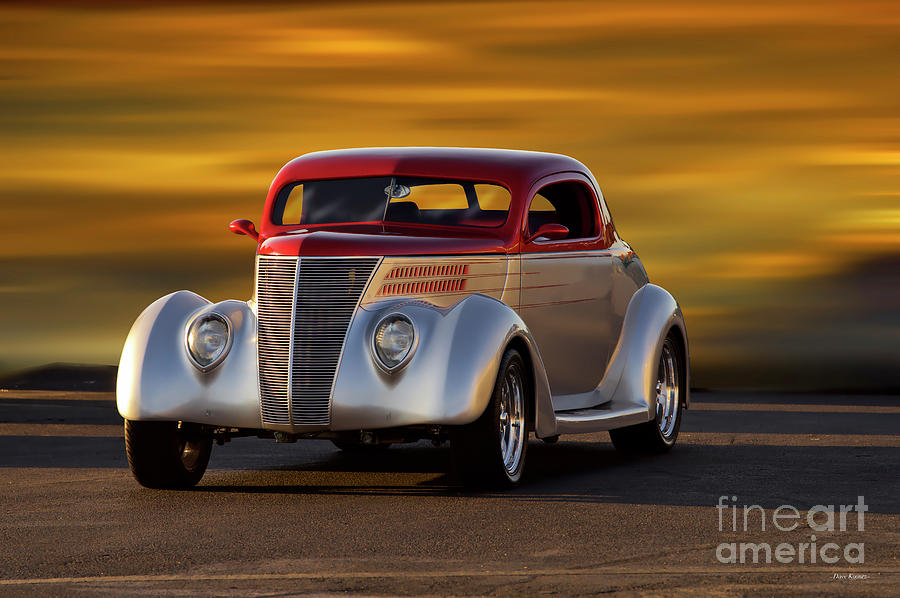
[[393, 199]]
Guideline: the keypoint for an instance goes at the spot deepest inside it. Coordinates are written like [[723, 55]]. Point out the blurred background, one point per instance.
[[749, 152]]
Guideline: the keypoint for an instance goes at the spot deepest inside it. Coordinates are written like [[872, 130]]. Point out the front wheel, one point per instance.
[[490, 452], [166, 454], [658, 435]]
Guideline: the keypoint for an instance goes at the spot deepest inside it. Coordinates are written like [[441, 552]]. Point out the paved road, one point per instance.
[[305, 518]]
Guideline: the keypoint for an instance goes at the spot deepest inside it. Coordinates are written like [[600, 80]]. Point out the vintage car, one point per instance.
[[470, 295]]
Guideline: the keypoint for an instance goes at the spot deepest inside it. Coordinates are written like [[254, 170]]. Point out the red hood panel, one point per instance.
[[338, 243]]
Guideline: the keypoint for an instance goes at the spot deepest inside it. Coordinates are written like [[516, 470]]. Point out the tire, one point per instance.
[[165, 456], [490, 452], [658, 435]]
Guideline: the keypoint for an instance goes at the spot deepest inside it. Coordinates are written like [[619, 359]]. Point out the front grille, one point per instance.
[[327, 295], [275, 283], [297, 364]]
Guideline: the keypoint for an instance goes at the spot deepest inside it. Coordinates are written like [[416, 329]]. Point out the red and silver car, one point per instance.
[[471, 295]]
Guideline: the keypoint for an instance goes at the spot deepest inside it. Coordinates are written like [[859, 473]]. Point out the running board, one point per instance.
[[583, 421]]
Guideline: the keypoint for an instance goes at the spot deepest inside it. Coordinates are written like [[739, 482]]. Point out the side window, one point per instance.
[[541, 212], [570, 204]]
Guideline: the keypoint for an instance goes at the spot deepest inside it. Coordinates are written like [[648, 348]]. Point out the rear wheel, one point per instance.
[[166, 454], [658, 435], [490, 452]]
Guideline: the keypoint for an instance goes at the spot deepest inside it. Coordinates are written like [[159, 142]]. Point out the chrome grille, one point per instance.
[[275, 282], [328, 291]]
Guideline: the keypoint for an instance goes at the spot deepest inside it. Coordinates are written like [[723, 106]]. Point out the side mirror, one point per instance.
[[244, 227], [550, 232]]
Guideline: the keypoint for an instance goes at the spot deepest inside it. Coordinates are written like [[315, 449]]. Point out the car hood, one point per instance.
[[375, 242]]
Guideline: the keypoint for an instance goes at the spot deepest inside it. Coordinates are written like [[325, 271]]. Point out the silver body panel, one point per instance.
[[448, 381], [566, 300]]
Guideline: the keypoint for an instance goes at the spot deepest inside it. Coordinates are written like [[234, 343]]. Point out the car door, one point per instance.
[[566, 288]]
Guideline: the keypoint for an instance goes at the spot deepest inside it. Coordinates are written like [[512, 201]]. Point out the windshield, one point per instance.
[[411, 200]]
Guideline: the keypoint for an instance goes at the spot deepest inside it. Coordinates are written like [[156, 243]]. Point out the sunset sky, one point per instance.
[[750, 152]]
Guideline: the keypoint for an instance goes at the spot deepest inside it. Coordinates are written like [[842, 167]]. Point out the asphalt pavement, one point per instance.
[[295, 519]]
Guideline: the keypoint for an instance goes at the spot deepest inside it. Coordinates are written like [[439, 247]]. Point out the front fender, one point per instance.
[[157, 381], [449, 378]]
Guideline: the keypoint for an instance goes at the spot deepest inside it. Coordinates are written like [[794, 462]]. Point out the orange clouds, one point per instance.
[[745, 149]]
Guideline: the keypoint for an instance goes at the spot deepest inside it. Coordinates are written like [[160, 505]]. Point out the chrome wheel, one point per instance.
[[512, 419], [491, 451], [658, 435], [668, 401], [191, 453]]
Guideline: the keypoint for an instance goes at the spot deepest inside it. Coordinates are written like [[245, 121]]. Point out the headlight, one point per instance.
[[394, 341], [208, 340]]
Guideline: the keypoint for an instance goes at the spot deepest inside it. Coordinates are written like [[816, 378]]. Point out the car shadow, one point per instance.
[[593, 472], [724, 451]]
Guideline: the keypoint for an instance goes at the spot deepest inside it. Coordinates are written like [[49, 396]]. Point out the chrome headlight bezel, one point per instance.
[[376, 354], [194, 325]]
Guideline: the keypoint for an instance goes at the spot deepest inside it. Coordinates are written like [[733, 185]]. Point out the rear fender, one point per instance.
[[652, 313]]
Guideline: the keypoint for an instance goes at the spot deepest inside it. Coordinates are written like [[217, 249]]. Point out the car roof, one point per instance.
[[514, 168]]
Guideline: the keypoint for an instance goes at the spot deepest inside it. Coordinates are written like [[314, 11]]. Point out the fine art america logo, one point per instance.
[[786, 518]]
